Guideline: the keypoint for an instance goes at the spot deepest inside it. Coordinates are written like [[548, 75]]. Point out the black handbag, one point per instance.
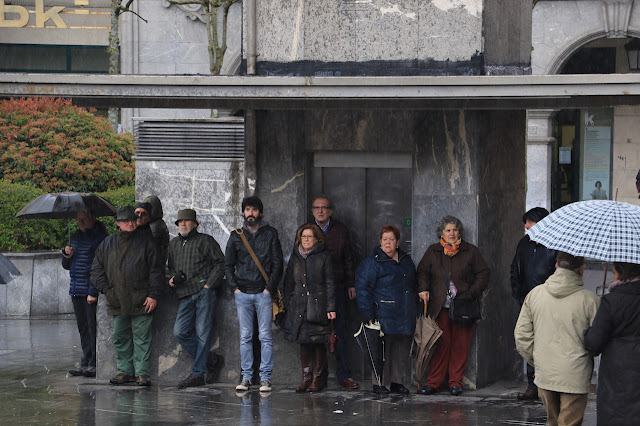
[[316, 312], [462, 311]]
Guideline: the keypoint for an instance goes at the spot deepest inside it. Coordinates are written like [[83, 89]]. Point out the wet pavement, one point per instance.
[[35, 388]]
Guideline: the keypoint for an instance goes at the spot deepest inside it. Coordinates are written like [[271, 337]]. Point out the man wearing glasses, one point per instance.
[[126, 269], [337, 240]]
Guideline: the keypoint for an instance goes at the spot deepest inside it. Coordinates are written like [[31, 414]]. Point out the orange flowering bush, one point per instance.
[[56, 146]]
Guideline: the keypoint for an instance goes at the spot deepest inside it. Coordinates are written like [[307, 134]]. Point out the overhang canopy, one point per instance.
[[251, 92]]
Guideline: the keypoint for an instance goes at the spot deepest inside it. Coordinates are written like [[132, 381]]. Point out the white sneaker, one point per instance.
[[265, 386], [244, 385]]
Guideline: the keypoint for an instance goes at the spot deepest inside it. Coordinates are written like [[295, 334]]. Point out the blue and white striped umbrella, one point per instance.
[[600, 229]]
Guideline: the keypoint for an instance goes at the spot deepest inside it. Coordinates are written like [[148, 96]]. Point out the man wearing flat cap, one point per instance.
[[126, 269], [196, 268]]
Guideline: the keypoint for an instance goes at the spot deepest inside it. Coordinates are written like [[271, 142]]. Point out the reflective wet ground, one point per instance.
[[35, 388]]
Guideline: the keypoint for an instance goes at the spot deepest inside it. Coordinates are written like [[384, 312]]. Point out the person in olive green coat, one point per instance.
[[125, 268]]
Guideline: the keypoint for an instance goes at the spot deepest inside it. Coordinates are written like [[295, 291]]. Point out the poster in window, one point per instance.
[[596, 163]]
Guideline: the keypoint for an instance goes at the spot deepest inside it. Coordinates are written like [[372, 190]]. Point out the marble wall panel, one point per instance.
[[44, 295], [359, 130], [19, 290]]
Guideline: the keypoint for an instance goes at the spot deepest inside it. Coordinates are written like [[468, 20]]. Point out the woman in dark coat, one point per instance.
[[451, 268], [615, 333], [386, 291], [309, 301]]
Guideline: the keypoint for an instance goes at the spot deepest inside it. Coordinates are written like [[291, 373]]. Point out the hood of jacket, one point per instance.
[[563, 283], [156, 207]]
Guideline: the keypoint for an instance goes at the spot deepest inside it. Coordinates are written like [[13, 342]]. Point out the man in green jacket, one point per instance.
[[125, 268], [549, 335], [196, 267]]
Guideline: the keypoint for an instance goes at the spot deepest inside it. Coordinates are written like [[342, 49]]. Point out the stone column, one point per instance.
[[539, 158]]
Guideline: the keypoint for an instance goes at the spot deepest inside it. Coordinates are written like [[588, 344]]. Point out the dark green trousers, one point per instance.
[[132, 335]]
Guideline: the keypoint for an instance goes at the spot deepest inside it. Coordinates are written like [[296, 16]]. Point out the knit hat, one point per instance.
[[187, 214], [125, 213]]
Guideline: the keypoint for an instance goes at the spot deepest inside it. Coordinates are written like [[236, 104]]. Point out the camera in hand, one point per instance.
[[179, 278]]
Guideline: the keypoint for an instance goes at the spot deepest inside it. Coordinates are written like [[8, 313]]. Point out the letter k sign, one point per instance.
[[23, 15]]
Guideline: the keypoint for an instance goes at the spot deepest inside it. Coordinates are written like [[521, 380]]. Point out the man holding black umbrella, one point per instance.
[[77, 258]]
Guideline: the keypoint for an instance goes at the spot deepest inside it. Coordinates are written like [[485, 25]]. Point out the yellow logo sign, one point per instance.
[[13, 16]]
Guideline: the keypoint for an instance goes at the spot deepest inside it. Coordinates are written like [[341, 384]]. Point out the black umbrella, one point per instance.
[[369, 338], [66, 205], [8, 270]]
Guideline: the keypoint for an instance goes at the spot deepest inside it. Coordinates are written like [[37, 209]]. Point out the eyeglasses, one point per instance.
[[307, 237], [142, 213], [320, 208], [126, 221]]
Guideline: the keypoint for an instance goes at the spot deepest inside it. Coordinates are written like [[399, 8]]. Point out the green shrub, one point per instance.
[[57, 146], [19, 235]]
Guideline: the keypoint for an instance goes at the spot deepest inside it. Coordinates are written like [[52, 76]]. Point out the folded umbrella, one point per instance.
[[599, 229], [424, 339], [369, 338], [8, 270]]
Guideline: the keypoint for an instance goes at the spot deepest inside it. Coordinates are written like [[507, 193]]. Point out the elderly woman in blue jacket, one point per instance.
[[386, 291]]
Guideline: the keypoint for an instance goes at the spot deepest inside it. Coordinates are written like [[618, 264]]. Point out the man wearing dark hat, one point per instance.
[[196, 267], [532, 264], [126, 269]]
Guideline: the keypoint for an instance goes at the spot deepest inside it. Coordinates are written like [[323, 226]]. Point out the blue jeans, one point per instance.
[[194, 323], [261, 304]]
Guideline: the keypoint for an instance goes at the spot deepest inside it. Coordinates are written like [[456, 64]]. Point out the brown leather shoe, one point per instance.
[[528, 395], [122, 379], [143, 380], [350, 384]]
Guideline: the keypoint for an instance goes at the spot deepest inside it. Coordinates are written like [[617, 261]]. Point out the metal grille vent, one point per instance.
[[222, 138]]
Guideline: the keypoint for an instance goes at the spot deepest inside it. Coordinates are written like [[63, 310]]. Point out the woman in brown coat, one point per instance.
[[450, 269]]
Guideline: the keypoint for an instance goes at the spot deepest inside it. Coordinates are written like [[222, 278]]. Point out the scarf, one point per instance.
[[451, 249], [616, 283], [303, 253]]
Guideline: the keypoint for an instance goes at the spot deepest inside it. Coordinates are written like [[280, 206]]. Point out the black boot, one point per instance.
[[306, 360]]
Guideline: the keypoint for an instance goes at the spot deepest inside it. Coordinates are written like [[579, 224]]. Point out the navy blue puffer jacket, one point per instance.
[[79, 266], [386, 290]]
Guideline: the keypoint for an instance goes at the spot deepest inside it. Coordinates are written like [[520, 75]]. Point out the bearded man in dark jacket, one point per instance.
[[127, 270], [532, 264], [251, 290]]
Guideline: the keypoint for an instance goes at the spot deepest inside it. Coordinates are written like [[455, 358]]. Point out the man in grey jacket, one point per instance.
[[251, 291], [549, 335]]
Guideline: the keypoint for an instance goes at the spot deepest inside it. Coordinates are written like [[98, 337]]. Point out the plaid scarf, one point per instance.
[[451, 249], [302, 252]]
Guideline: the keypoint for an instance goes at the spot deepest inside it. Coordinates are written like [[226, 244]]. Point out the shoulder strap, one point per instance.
[[444, 274], [240, 232]]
